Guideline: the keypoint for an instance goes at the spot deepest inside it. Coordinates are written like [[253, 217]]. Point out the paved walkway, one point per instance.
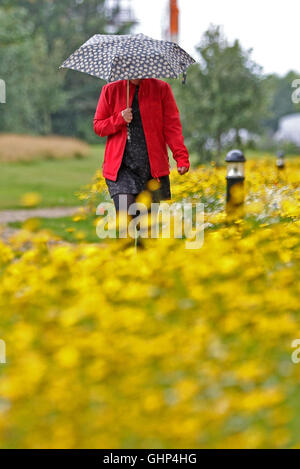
[[9, 216]]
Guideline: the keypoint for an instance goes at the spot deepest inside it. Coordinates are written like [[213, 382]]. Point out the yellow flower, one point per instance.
[[30, 199]]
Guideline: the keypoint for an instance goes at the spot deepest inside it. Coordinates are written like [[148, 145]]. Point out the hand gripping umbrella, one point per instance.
[[129, 56]]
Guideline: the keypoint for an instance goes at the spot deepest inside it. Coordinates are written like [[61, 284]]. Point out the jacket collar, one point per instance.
[[132, 88]]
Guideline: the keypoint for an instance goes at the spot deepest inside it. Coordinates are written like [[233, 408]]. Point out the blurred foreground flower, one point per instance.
[[182, 348], [30, 199]]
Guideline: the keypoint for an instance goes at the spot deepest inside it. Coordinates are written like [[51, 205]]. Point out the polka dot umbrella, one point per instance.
[[129, 56]]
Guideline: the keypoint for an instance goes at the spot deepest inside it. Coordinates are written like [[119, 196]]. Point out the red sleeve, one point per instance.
[[173, 130], [106, 123]]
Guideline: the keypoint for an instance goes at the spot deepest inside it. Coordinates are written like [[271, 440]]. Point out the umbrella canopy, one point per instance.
[[129, 56], [115, 57]]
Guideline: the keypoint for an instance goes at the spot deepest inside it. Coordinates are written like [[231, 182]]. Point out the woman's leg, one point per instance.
[[123, 201], [120, 205]]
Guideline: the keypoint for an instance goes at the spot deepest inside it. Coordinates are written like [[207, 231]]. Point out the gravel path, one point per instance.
[[8, 216]]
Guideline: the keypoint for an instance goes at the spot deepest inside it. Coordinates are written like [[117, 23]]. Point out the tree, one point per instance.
[[224, 93], [15, 58], [35, 37]]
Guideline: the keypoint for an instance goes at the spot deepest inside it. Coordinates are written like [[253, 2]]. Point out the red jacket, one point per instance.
[[161, 123]]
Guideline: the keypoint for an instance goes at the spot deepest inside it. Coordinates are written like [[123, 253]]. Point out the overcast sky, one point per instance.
[[270, 28]]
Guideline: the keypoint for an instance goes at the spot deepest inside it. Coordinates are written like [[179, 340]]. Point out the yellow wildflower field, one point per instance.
[[166, 347]]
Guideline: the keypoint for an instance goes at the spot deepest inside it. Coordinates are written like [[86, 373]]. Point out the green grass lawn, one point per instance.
[[55, 180]]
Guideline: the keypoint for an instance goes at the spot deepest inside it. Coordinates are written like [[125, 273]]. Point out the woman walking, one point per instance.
[[154, 123]]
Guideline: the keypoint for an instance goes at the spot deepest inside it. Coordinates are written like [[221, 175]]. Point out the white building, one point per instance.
[[289, 129]]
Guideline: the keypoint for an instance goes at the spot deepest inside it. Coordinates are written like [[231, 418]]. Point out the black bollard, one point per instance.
[[280, 163], [235, 160]]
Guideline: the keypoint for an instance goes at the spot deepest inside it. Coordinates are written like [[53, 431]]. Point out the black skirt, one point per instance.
[[134, 172]]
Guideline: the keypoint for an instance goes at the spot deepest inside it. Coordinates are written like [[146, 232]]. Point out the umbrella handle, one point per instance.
[[128, 93], [128, 130]]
